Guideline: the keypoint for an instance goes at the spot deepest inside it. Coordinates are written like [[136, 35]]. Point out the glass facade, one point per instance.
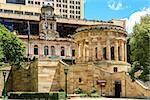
[[16, 1]]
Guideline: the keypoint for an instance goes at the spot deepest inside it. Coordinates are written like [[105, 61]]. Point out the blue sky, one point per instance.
[[130, 10]]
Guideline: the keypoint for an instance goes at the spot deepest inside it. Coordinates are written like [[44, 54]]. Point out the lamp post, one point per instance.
[[4, 74], [65, 72]]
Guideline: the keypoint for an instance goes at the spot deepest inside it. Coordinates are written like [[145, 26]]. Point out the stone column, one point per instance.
[[100, 52], [125, 52], [68, 51], [41, 50], [90, 51], [83, 52], [93, 53], [116, 50], [122, 50], [86, 53], [108, 50], [77, 52], [57, 49]]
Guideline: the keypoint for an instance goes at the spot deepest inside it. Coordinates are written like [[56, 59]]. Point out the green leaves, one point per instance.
[[140, 44], [11, 48]]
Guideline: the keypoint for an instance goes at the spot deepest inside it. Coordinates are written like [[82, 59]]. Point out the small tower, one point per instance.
[[47, 26]]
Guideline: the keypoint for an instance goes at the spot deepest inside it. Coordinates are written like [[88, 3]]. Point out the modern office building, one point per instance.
[[65, 8]]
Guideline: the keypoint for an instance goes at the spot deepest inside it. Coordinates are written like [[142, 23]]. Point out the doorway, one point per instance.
[[117, 89]]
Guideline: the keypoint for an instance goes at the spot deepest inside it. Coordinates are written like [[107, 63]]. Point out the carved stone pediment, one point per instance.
[[50, 35]]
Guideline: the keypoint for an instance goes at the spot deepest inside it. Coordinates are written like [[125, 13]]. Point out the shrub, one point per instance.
[[78, 91], [32, 95]]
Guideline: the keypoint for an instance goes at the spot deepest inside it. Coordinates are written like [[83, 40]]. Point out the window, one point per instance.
[[73, 52], [45, 50], [80, 80], [16, 1], [51, 26], [71, 16], [96, 53], [64, 6], [28, 13], [36, 3], [72, 7], [72, 11], [119, 54], [77, 2], [52, 51], [112, 53], [64, 1], [104, 53], [18, 12], [62, 51], [64, 16], [8, 11], [35, 50], [115, 69], [78, 17], [1, 10], [77, 12], [37, 14]]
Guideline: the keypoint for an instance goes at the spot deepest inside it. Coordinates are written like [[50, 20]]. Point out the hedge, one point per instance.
[[33, 95]]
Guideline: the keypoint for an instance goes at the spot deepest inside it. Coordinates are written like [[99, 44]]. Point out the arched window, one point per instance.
[[112, 53], [104, 53], [35, 50], [96, 53], [62, 51], [52, 51], [45, 50]]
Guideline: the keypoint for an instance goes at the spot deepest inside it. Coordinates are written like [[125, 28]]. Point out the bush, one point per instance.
[[83, 95], [93, 90], [61, 90], [95, 95], [32, 95], [78, 91]]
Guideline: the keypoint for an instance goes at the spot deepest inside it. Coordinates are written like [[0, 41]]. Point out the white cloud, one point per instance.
[[115, 5], [135, 18]]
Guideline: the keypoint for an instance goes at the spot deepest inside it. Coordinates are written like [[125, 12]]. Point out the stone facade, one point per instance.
[[93, 65], [104, 45]]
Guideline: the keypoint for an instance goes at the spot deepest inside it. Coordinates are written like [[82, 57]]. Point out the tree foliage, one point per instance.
[[140, 44], [12, 49]]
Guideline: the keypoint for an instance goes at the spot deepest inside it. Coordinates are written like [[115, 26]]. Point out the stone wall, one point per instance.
[[48, 75]]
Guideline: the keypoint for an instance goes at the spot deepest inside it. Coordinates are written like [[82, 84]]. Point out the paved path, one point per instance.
[[104, 99]]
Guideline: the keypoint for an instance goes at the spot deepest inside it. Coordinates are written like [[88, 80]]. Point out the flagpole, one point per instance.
[[28, 41]]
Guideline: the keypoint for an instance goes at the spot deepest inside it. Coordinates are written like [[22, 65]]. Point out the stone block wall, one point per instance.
[[48, 75]]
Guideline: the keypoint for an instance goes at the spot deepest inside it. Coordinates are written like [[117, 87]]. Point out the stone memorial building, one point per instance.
[[95, 54]]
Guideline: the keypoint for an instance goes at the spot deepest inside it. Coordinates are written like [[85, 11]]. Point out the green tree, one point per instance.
[[140, 45], [12, 49]]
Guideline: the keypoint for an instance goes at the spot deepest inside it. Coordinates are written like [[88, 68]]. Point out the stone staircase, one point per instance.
[[136, 88]]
